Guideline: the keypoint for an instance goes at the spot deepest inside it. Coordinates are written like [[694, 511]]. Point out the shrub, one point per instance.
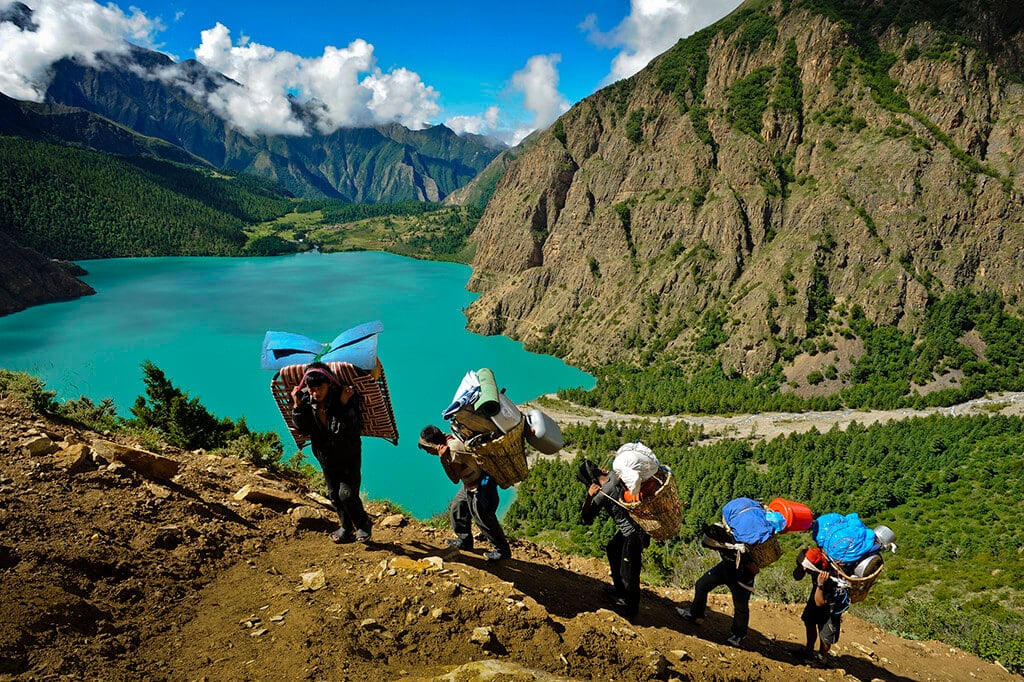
[[558, 131], [262, 449], [748, 99], [102, 417], [28, 389], [634, 126], [184, 422]]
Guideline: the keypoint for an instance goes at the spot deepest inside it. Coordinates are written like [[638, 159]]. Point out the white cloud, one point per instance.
[[401, 96], [652, 27], [65, 28], [538, 82], [344, 85], [260, 103], [484, 124]]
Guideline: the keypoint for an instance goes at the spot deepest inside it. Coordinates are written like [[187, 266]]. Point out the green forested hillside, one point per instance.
[[951, 488], [891, 373], [75, 204], [418, 229]]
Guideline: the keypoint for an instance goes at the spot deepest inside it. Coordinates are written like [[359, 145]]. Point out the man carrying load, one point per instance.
[[747, 524], [477, 500], [604, 491], [823, 613]]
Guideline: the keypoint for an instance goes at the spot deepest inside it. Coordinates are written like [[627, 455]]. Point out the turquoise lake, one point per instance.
[[202, 321]]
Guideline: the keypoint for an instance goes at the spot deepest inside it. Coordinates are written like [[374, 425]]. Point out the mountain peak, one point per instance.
[[19, 14], [734, 200]]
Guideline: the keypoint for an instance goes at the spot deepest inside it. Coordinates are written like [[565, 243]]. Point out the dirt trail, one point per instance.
[[108, 572], [768, 425]]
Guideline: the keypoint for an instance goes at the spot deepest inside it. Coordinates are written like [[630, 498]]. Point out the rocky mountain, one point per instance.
[[147, 92], [761, 178], [120, 563], [60, 123], [27, 278], [478, 191]]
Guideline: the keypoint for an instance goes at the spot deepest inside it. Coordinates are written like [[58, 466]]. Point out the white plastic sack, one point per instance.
[[635, 463], [467, 392]]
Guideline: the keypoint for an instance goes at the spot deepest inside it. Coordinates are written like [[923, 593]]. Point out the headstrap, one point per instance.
[[319, 370]]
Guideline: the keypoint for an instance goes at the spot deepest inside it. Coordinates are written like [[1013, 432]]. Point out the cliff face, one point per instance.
[[27, 278], [758, 179]]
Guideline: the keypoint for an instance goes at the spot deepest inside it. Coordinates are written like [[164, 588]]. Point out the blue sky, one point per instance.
[[501, 69]]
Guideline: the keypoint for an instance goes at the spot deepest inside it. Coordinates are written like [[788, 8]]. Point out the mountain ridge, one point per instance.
[[372, 164], [148, 92], [754, 183]]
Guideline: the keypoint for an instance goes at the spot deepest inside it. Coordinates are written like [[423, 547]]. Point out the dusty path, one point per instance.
[[118, 573], [768, 425]]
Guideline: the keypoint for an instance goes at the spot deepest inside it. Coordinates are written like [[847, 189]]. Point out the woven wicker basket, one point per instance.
[[765, 553], [660, 513], [504, 457], [858, 587], [378, 416]]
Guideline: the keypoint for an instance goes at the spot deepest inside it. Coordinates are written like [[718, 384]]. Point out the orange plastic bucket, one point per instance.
[[798, 516]]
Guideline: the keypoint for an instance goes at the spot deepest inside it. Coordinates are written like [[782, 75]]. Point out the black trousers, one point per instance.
[[624, 559], [726, 573], [343, 491], [480, 505]]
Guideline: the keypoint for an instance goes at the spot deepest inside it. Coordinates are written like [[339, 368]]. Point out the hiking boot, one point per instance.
[[495, 555], [687, 615], [734, 640], [610, 591], [341, 536], [459, 544], [625, 609]]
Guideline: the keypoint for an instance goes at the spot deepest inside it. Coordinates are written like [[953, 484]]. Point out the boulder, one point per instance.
[[267, 496], [143, 462], [75, 458]]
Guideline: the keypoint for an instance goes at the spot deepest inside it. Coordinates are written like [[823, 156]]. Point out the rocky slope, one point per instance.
[[27, 278], [761, 177], [121, 564]]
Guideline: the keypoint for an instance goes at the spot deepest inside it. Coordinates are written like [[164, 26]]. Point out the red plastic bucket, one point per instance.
[[798, 516]]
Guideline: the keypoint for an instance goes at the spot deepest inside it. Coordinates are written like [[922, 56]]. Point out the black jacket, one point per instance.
[[336, 444], [623, 520]]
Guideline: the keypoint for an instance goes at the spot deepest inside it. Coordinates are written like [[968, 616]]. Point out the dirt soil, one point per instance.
[[114, 568]]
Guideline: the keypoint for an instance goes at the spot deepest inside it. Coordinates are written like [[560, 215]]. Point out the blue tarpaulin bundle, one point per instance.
[[746, 519], [356, 346], [843, 538]]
